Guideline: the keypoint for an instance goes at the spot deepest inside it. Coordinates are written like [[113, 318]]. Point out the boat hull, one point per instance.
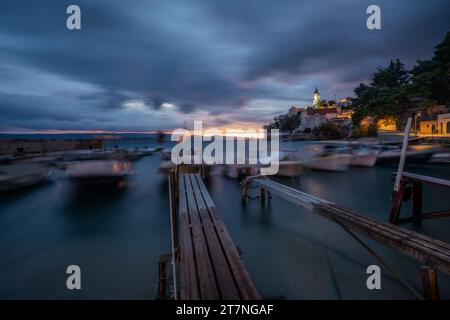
[[289, 169], [339, 162], [364, 160]]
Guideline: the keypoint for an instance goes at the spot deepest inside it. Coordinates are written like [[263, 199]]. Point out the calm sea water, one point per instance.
[[116, 239]]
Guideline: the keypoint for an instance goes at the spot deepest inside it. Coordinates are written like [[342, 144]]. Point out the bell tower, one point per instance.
[[316, 98]]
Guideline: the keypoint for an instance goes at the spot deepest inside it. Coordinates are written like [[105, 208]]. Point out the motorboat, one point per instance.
[[441, 157], [129, 154], [99, 172], [166, 154], [21, 175], [325, 157], [363, 156], [414, 153], [289, 168], [237, 171], [148, 151]]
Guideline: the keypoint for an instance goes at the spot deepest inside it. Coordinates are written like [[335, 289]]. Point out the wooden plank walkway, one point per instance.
[[210, 265], [425, 249]]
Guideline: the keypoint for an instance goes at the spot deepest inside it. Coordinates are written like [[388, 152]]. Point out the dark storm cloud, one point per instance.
[[215, 56]]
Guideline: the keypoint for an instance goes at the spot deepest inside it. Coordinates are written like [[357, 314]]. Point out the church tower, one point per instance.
[[316, 98]]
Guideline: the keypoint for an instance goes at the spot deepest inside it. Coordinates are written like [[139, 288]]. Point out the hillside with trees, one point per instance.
[[392, 89]]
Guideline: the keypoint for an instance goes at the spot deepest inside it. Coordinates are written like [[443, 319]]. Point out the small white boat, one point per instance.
[[148, 151], [79, 155], [324, 157], [165, 167], [103, 172], [413, 154], [443, 157], [364, 158], [236, 171], [166, 154], [6, 159], [22, 175], [289, 168], [334, 162]]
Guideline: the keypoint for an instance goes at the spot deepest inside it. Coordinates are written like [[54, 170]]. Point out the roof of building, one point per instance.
[[321, 111], [316, 91]]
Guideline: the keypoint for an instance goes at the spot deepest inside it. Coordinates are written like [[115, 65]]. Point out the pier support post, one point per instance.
[[244, 192], [262, 195], [173, 195], [399, 186], [430, 283], [396, 203], [417, 203], [163, 260]]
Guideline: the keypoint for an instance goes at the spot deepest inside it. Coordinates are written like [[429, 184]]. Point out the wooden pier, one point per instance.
[[209, 264], [411, 188], [434, 254]]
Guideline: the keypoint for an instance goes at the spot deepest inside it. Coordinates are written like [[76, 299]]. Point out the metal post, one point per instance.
[[173, 186], [401, 164]]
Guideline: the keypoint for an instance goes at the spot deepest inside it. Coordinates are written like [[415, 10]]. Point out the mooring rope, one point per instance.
[[382, 261]]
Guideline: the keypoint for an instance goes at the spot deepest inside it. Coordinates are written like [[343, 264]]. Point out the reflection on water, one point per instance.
[[117, 237]]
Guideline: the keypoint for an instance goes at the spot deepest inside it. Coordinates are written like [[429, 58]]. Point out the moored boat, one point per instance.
[[148, 151], [333, 162], [237, 171], [442, 157], [98, 173], [364, 158], [418, 154], [22, 175], [289, 168], [325, 157]]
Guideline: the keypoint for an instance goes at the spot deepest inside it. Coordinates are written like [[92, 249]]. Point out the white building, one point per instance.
[[443, 123], [311, 118]]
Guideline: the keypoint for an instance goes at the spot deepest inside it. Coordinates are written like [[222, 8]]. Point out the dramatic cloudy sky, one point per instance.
[[148, 65]]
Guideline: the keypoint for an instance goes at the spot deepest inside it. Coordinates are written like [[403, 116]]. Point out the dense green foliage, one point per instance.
[[431, 78], [329, 130], [284, 123], [392, 88]]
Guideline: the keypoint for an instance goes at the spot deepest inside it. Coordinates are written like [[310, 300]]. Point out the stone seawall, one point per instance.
[[42, 146]]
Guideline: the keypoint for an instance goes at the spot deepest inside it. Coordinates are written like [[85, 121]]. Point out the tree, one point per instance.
[[431, 78], [394, 76], [385, 95], [329, 130]]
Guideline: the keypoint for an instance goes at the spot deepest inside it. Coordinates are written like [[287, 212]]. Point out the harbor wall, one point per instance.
[[37, 146]]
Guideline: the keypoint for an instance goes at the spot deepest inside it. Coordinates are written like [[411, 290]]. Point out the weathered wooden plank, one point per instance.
[[413, 244], [210, 266], [402, 232], [242, 278], [225, 281], [206, 278], [188, 277]]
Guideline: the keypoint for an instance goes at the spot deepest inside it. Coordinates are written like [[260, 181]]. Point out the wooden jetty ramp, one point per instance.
[[206, 259], [434, 254], [410, 188]]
